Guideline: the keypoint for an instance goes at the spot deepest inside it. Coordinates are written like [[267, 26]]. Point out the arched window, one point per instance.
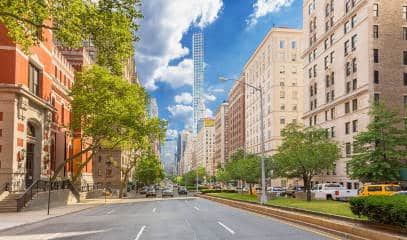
[[30, 130]]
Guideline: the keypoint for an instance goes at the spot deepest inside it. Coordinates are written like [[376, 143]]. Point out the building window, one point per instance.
[[34, 80], [354, 84], [293, 44], [282, 107], [354, 104], [326, 115], [404, 33], [348, 149], [62, 114], [354, 19], [346, 47], [405, 79], [347, 128], [405, 12], [376, 55], [376, 97], [347, 107], [282, 44], [375, 31], [354, 65], [333, 132], [346, 27], [405, 57], [376, 9], [282, 120], [282, 94], [332, 113], [355, 125], [405, 101], [348, 68], [354, 41], [348, 88], [328, 97], [376, 77]]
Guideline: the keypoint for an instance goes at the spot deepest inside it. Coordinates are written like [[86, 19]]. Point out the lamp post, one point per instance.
[[263, 199]]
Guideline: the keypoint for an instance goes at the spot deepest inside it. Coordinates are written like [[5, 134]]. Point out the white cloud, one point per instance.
[[172, 133], [210, 97], [161, 31], [180, 110], [264, 7], [208, 113], [184, 98], [216, 90]]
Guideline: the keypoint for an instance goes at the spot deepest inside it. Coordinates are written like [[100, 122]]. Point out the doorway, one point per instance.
[[29, 165]]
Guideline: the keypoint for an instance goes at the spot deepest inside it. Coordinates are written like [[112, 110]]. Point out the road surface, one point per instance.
[[170, 219]]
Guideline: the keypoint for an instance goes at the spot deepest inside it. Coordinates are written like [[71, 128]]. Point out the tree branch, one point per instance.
[[7, 14]]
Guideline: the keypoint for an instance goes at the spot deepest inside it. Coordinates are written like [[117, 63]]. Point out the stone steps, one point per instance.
[[9, 203]]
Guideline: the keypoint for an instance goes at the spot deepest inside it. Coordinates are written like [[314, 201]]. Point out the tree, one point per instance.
[[111, 113], [190, 177], [380, 151], [304, 153], [109, 25], [148, 170]]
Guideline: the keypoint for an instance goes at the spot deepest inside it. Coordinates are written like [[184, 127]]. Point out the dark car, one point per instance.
[[182, 191], [143, 190], [290, 192], [167, 192], [151, 192]]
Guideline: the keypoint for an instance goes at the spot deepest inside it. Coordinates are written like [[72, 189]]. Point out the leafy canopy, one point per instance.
[[380, 151], [110, 25]]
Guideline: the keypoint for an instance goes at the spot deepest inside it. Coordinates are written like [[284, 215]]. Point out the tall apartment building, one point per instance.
[[236, 117], [34, 112], [189, 156], [356, 54], [221, 154], [276, 66], [204, 146], [198, 87], [183, 138]]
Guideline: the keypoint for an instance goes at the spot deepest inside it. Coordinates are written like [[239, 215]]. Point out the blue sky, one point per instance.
[[233, 29]]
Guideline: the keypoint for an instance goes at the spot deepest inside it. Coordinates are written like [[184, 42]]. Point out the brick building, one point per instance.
[[35, 112], [236, 117]]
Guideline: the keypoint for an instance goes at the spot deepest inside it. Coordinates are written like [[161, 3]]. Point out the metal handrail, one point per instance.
[[43, 186]]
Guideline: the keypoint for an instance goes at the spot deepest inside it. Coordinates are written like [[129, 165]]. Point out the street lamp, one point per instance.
[[263, 199]]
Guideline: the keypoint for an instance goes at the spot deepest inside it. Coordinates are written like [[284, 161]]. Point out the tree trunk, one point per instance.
[[307, 185], [250, 189], [124, 183]]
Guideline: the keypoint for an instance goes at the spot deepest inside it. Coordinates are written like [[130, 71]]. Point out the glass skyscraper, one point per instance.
[[198, 90]]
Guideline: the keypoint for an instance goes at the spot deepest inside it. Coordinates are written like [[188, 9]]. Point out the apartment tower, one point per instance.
[[355, 54], [221, 154]]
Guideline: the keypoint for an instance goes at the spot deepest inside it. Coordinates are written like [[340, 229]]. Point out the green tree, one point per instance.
[[304, 153], [380, 151], [111, 114], [110, 25], [148, 170], [190, 177]]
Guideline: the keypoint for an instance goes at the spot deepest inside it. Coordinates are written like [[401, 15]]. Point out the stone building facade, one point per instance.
[[236, 117], [355, 54], [221, 154]]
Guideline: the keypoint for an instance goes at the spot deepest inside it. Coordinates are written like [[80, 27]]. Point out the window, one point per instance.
[[346, 27], [354, 20], [315, 70], [376, 55], [332, 55], [355, 125], [354, 65], [326, 115], [348, 68], [376, 97], [405, 57], [404, 33], [348, 149], [332, 78], [376, 9], [405, 79], [326, 62], [354, 84], [332, 38], [282, 120], [282, 44], [34, 80], [332, 113], [328, 97], [346, 47], [347, 107], [347, 128], [282, 94], [405, 101], [354, 41], [354, 104], [62, 114], [348, 88], [376, 77], [282, 107], [327, 81], [404, 12], [333, 132], [326, 43], [332, 95], [375, 31]]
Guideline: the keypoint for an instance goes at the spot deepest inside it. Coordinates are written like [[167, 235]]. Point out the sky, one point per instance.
[[233, 29]]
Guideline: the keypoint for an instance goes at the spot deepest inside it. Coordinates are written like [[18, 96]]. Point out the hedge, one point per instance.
[[193, 188], [218, 191], [382, 209]]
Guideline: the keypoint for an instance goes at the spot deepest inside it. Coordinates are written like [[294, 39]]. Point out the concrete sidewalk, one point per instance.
[[32, 215]]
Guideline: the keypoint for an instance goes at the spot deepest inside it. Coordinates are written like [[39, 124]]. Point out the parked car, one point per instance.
[[182, 190], [151, 192], [275, 191], [333, 191], [143, 190], [290, 192], [401, 193], [379, 189], [167, 192]]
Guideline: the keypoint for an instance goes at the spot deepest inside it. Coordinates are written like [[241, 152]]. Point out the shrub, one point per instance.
[[382, 209], [193, 188], [218, 191]]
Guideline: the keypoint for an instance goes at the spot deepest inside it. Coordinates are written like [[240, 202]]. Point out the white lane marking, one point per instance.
[[110, 212], [154, 209], [227, 228], [140, 232], [196, 208]]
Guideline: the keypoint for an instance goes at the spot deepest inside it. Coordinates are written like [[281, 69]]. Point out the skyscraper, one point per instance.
[[198, 91], [153, 108]]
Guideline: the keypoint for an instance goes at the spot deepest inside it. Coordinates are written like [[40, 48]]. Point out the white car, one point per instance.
[[333, 191]]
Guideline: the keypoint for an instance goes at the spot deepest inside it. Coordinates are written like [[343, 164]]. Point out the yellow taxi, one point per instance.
[[379, 189]]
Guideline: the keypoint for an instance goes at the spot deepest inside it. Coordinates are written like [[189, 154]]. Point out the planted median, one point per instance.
[[321, 206]]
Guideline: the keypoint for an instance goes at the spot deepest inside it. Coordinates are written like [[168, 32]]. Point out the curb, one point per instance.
[[45, 219], [328, 225]]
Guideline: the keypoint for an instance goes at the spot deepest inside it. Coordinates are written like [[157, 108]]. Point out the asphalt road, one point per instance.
[[170, 219]]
